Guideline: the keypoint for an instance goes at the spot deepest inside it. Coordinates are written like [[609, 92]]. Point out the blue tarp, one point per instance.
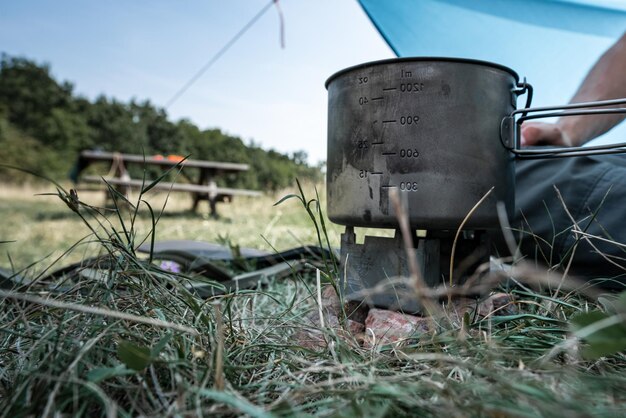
[[553, 43]]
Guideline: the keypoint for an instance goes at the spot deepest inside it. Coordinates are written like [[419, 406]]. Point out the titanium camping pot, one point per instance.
[[440, 131]]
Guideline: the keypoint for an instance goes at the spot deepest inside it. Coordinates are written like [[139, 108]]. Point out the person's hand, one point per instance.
[[541, 133]]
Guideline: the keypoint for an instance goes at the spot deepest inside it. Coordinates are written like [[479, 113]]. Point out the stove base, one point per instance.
[[377, 271]]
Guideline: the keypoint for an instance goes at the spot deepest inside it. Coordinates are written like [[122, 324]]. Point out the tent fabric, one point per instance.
[[553, 43]]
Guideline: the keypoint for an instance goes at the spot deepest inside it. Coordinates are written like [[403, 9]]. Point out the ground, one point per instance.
[[137, 342]]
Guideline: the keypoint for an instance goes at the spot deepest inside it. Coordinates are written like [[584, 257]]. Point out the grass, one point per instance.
[[42, 226], [154, 349]]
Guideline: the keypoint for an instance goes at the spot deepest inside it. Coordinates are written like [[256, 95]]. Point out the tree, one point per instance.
[[43, 127], [30, 94]]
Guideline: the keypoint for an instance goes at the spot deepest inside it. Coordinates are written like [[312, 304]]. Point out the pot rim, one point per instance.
[[422, 59]]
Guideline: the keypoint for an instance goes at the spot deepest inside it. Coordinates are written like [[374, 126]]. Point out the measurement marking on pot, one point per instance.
[[407, 186], [377, 143], [377, 172], [390, 121], [377, 98], [390, 88], [388, 186], [411, 87], [389, 153], [409, 120]]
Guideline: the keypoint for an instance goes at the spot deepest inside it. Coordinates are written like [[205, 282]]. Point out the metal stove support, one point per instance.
[[377, 272]]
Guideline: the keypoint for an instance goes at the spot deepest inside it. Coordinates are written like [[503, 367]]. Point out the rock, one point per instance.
[[355, 327], [370, 327], [314, 337], [497, 304], [313, 319], [311, 335], [330, 300], [387, 327], [460, 306], [354, 310]]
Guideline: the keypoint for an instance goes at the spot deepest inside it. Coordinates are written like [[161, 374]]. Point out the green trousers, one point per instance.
[[555, 194]]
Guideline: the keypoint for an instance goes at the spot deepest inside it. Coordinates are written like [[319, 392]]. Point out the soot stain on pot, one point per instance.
[[350, 147], [445, 88], [383, 202], [367, 215]]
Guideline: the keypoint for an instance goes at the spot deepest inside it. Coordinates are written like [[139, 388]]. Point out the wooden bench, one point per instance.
[[202, 187]]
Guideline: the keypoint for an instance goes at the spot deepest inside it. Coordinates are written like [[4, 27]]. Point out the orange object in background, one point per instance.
[[175, 158], [158, 157]]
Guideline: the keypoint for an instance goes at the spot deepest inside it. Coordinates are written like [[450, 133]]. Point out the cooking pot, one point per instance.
[[440, 131]]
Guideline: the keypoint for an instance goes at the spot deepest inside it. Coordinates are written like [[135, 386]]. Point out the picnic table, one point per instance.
[[202, 185]]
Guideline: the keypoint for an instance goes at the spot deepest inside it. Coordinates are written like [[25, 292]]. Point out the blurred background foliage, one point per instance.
[[44, 125]]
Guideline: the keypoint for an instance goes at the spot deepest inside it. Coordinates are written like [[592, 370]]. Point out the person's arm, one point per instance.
[[606, 80]]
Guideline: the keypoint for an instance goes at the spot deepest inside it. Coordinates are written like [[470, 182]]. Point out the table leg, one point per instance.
[[213, 199], [119, 171], [207, 178], [196, 200]]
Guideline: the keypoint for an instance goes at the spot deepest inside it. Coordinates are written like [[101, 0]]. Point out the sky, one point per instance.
[[275, 96], [550, 43], [148, 49]]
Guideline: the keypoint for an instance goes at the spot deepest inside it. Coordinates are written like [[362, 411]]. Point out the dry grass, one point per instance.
[[138, 343], [42, 226]]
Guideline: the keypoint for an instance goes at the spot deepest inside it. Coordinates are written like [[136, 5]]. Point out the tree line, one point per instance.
[[44, 125]]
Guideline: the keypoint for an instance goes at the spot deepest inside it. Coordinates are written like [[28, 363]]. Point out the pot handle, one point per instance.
[[510, 129], [524, 87]]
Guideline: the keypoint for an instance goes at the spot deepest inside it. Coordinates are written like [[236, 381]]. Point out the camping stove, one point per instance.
[[428, 131], [377, 271]]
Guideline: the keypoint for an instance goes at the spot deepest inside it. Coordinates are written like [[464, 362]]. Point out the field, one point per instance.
[[43, 226], [138, 342]]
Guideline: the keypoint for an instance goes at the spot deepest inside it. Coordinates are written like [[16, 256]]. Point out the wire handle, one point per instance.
[[510, 129]]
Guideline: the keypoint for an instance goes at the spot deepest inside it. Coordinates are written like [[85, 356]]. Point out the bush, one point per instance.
[[44, 126]]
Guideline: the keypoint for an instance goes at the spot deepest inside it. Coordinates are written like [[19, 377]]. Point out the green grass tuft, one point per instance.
[[153, 348]]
